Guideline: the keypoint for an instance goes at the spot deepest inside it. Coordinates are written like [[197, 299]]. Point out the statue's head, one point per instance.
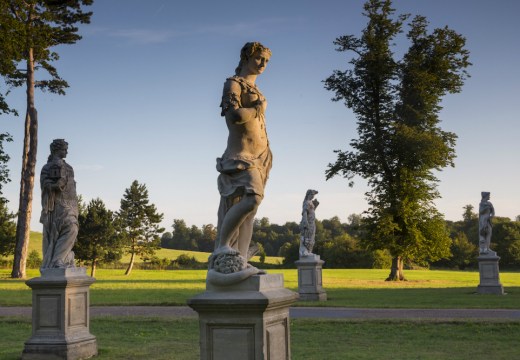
[[310, 193], [248, 50], [59, 147], [485, 195]]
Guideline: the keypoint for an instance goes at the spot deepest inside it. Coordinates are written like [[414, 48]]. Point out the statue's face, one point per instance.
[[62, 152], [257, 62]]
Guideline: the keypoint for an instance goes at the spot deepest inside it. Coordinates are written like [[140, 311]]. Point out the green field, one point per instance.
[[35, 243], [345, 287], [169, 338]]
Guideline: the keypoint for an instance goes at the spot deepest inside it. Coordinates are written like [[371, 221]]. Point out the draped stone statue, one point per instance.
[[486, 212], [308, 223], [244, 167], [59, 208]]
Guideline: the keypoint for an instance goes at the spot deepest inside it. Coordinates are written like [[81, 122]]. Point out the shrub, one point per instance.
[[34, 261]]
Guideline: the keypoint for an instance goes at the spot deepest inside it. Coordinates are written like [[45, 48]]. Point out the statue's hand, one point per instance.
[[261, 103]]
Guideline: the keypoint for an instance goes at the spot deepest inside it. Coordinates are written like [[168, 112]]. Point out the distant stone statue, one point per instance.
[[308, 223], [486, 213], [59, 209], [244, 167]]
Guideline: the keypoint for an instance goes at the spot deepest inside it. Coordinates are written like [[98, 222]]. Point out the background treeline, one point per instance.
[[341, 244]]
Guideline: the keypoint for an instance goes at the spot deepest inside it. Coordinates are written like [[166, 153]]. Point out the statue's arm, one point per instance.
[[232, 107]]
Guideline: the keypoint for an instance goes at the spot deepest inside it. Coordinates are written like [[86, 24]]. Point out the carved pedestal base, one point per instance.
[[310, 286], [489, 275], [60, 316], [249, 320]]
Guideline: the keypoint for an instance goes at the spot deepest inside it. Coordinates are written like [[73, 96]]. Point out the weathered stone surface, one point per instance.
[[59, 209], [244, 167], [310, 282], [60, 316], [486, 213], [489, 275], [248, 320], [308, 223]]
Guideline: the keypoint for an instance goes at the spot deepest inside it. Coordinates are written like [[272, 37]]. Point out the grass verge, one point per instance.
[[167, 338], [347, 288]]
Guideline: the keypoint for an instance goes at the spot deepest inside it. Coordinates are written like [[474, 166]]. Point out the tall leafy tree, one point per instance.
[[138, 222], [98, 241], [400, 143], [30, 29]]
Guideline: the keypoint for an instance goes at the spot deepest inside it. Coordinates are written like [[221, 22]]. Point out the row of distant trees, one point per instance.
[[347, 245]]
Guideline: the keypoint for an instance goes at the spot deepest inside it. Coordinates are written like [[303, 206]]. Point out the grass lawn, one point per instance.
[[166, 338], [349, 288]]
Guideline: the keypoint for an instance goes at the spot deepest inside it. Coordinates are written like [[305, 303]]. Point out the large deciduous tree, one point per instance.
[[98, 240], [30, 29], [400, 143], [139, 221]]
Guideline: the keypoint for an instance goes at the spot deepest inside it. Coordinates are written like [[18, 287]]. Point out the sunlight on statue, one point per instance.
[[244, 167]]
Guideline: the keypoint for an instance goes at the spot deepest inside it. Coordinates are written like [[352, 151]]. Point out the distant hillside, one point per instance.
[[35, 243]]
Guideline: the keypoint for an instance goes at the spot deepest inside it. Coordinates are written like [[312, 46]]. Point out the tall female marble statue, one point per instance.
[[308, 223], [59, 208], [244, 167], [486, 212]]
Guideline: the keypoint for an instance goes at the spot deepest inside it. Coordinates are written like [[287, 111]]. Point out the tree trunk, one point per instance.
[[131, 265], [93, 269], [23, 226], [396, 272]]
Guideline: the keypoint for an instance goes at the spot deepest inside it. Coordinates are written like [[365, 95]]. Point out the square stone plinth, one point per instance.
[[60, 316], [489, 275], [246, 321], [310, 282]]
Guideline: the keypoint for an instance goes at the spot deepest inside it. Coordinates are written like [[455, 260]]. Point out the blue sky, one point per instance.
[[145, 87]]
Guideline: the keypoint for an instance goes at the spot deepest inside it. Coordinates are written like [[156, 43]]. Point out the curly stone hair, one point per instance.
[[58, 144], [247, 51]]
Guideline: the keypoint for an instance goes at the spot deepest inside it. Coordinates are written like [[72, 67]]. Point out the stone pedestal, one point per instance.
[[60, 316], [310, 285], [249, 320], [489, 274]]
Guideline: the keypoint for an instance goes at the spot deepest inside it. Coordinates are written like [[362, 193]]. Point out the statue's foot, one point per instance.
[[226, 249], [255, 269]]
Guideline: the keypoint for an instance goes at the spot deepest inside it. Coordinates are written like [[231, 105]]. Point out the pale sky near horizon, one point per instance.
[[145, 87]]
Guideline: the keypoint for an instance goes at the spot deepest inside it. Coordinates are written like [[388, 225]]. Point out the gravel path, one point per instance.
[[301, 312]]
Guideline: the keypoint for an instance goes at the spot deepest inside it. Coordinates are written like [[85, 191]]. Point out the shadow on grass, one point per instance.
[[426, 298], [131, 281]]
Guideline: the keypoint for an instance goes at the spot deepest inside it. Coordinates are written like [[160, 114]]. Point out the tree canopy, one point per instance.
[[98, 240], [29, 30], [400, 143], [138, 222]]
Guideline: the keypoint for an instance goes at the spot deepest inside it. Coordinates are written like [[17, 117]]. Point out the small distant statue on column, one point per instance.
[[59, 209], [485, 227], [308, 223]]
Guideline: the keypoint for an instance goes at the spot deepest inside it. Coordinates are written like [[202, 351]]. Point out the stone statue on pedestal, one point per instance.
[[61, 296], [488, 259], [308, 223], [59, 209], [485, 227], [244, 167]]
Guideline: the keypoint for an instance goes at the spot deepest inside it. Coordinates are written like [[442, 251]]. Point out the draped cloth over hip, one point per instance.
[[239, 176]]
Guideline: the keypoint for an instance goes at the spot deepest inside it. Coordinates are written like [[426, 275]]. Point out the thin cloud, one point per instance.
[[160, 36]]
